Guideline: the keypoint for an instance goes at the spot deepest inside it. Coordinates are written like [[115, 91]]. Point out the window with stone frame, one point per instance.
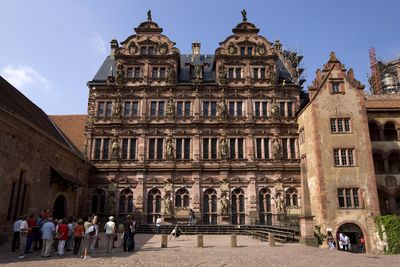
[[236, 148], [210, 212], [335, 87], [131, 109], [158, 73], [182, 148], [153, 205], [235, 73], [157, 108], [264, 206], [238, 207], [262, 148], [126, 201], [147, 50], [101, 148], [98, 201], [209, 108], [235, 109], [340, 125], [128, 151], [343, 157], [348, 198], [182, 198], [209, 150], [260, 109], [156, 146], [292, 197], [258, 73], [104, 108], [183, 109]]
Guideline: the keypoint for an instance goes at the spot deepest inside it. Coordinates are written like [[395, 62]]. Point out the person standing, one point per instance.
[[16, 229], [331, 240], [23, 233], [48, 231], [158, 224], [345, 245], [109, 228], [78, 235], [90, 236], [127, 234], [361, 245], [32, 230], [70, 240], [62, 237], [133, 229]]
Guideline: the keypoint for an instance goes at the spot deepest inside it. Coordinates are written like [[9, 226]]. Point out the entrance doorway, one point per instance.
[[59, 208], [355, 234]]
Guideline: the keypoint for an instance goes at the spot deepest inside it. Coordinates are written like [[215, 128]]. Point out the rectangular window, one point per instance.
[[333, 126], [205, 109], [152, 143], [230, 73], [257, 109], [186, 148], [232, 148], [179, 148], [240, 148], [262, 72], [153, 108], [135, 109], [213, 109], [349, 203], [238, 72], [213, 148], [340, 125], [129, 73], [289, 108], [344, 157], [151, 50], [292, 148], [162, 73], [239, 108], [335, 87], [205, 148], [100, 109], [161, 105], [249, 51], [187, 109], [124, 152], [143, 50], [106, 146], [346, 125], [284, 148], [282, 109], [132, 152], [137, 73], [179, 109], [258, 148], [127, 109], [255, 73], [154, 73], [108, 109], [160, 144], [356, 202], [232, 109], [266, 148], [97, 148], [264, 109], [341, 198], [242, 50]]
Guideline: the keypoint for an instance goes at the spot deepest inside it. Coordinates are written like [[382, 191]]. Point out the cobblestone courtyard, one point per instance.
[[216, 252]]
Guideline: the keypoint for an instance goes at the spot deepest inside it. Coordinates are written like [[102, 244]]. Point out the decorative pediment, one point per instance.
[[291, 180], [182, 180], [265, 179], [238, 179], [211, 180], [154, 180]]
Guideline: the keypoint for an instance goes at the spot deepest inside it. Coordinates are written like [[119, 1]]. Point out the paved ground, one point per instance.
[[216, 252]]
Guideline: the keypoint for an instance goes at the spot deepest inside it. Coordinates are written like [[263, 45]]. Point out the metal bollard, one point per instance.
[[164, 241], [233, 240], [271, 240], [199, 241]]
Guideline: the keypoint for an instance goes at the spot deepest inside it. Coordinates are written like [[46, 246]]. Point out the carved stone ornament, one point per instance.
[[276, 147], [279, 204], [278, 186], [253, 199], [274, 109], [261, 50], [224, 186], [171, 74], [169, 149], [170, 112], [223, 148], [115, 147], [224, 205], [222, 109], [120, 73], [163, 48], [132, 48], [222, 73], [232, 49]]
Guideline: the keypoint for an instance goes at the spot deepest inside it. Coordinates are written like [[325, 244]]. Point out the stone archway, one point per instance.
[[60, 207], [355, 233]]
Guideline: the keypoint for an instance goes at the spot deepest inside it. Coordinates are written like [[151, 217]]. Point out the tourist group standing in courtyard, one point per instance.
[[58, 236]]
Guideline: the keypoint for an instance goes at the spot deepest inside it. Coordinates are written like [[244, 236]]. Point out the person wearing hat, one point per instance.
[[109, 228]]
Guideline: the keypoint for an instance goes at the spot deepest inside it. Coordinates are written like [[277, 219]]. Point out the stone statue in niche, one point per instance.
[[222, 109], [117, 107], [120, 73], [276, 147], [167, 203], [223, 148], [171, 74], [274, 109], [132, 48], [272, 76], [170, 108], [279, 204], [222, 74], [224, 205], [115, 147], [169, 149]]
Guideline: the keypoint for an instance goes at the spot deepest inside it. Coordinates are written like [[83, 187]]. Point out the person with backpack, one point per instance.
[[90, 236]]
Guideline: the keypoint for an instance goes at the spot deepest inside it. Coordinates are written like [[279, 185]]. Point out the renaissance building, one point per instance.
[[169, 132]]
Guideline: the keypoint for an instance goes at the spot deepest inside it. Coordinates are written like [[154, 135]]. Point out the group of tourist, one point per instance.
[[344, 242], [70, 234]]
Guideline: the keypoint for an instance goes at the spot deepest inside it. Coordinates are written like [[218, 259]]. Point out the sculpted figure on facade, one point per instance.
[[244, 15], [120, 73], [224, 205], [274, 109], [223, 148], [198, 75], [276, 147], [171, 74], [169, 149], [222, 74], [279, 204], [222, 109], [170, 108], [115, 148], [117, 107], [167, 204]]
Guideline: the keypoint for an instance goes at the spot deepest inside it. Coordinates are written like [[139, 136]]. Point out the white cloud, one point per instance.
[[99, 44], [25, 78]]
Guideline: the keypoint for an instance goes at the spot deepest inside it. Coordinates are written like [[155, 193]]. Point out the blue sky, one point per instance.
[[50, 49]]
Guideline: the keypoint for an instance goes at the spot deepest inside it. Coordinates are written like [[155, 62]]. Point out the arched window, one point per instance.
[[378, 163], [238, 210], [153, 205], [182, 198], [126, 201], [291, 197], [374, 132], [264, 206], [394, 162], [98, 201], [210, 206], [390, 131]]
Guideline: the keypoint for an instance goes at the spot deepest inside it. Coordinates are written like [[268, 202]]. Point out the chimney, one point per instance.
[[195, 50], [114, 46]]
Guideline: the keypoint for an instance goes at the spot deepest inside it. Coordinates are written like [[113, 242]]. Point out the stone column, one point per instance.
[[251, 207], [249, 147], [249, 108], [196, 147], [289, 150], [200, 241], [164, 241], [138, 194], [141, 147]]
